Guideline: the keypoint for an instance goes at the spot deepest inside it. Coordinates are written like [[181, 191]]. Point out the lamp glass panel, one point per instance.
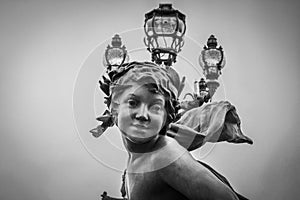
[[181, 28], [149, 27], [212, 57], [213, 70], [115, 56], [165, 25], [164, 42]]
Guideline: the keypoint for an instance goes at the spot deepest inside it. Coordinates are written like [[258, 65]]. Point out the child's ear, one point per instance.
[[114, 113], [116, 120]]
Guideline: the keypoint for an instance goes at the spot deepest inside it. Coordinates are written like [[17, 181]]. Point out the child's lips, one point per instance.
[[143, 126]]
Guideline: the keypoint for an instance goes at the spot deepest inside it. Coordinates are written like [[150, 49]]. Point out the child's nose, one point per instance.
[[142, 113]]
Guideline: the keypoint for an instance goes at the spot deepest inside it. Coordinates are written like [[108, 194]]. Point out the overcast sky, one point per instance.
[[51, 58]]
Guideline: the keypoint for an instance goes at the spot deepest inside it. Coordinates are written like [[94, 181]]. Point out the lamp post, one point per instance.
[[164, 28], [115, 55], [212, 60]]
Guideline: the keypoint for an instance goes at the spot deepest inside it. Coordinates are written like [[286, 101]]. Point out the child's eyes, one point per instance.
[[156, 107], [132, 103]]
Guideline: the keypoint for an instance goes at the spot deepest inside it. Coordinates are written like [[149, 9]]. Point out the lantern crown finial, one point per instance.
[[165, 6], [164, 9], [212, 42], [116, 41]]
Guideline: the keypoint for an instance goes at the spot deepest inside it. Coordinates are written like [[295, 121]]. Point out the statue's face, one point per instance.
[[141, 113]]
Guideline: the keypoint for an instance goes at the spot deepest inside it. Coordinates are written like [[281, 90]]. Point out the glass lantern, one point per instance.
[[115, 55], [212, 60], [164, 28]]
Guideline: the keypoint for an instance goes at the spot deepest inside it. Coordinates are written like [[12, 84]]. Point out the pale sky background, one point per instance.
[[50, 49]]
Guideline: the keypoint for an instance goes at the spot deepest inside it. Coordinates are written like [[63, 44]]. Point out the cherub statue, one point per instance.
[[142, 100]]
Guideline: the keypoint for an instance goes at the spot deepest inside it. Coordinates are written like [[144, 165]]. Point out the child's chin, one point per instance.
[[138, 140]]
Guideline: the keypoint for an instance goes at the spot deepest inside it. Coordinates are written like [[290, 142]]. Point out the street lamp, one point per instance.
[[164, 28], [115, 55], [212, 60]]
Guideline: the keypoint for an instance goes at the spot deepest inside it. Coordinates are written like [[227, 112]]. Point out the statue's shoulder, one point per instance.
[[169, 153]]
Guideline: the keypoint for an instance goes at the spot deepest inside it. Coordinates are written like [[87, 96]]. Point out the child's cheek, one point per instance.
[[123, 119]]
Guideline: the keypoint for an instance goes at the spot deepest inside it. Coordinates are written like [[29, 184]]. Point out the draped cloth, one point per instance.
[[212, 122]]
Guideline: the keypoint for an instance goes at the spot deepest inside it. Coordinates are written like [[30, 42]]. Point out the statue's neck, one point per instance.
[[149, 146]]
